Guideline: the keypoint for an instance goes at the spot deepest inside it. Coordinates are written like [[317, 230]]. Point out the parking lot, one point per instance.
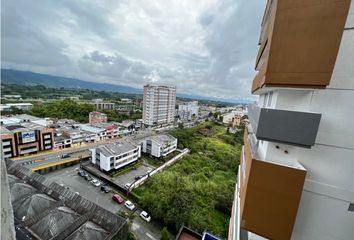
[[129, 177], [69, 178]]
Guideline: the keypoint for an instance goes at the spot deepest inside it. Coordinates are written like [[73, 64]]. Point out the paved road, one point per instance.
[[42, 161], [69, 177]]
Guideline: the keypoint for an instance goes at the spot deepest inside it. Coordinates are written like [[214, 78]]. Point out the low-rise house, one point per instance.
[[112, 130], [21, 106], [97, 117], [159, 145], [100, 132], [115, 155], [126, 127]]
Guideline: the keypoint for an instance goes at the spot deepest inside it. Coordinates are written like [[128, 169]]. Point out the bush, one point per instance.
[[198, 189], [131, 236], [164, 234]]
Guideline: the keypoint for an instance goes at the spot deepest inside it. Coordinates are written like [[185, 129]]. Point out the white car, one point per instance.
[[96, 183], [127, 185], [129, 205], [144, 215]]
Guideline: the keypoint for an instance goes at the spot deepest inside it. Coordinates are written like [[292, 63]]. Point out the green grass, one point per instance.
[[152, 160], [198, 190]]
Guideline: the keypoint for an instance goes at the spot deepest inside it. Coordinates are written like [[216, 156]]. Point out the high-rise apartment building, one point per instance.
[[159, 104], [295, 179], [188, 111]]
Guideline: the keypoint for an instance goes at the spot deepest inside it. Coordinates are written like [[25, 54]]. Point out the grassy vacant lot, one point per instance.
[[198, 190]]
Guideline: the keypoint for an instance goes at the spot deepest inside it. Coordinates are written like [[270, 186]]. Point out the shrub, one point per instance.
[[164, 234], [131, 236]]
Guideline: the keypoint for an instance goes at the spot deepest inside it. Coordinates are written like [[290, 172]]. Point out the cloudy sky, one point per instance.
[[204, 47]]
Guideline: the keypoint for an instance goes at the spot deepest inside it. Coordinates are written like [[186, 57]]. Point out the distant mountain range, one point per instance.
[[10, 76]]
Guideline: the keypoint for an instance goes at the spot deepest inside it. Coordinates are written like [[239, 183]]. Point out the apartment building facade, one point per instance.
[[188, 111], [27, 138], [115, 155], [101, 105], [159, 145], [295, 179], [159, 104]]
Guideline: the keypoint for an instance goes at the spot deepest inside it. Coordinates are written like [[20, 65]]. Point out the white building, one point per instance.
[[159, 145], [296, 177], [188, 111], [159, 104], [115, 155], [11, 96], [228, 117], [21, 106]]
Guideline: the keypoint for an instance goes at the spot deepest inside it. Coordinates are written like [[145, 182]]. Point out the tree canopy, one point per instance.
[[198, 190]]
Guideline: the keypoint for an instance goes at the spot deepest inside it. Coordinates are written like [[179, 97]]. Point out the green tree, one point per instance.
[[164, 234]]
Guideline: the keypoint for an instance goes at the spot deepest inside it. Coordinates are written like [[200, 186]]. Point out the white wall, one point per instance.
[[323, 218], [329, 186]]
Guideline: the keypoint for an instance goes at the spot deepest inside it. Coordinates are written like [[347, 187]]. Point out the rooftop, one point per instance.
[[116, 148], [97, 113], [19, 104], [90, 128], [162, 138], [47, 210]]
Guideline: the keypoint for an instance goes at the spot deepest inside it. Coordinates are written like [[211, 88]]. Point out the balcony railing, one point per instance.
[[290, 127], [270, 193]]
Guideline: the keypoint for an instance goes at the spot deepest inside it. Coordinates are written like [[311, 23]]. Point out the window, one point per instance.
[[351, 207], [270, 99], [265, 99], [244, 167]]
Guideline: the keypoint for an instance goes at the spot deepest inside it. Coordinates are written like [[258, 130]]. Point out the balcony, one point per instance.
[[283, 126], [270, 193], [303, 40]]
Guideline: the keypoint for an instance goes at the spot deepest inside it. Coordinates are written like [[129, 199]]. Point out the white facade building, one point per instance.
[[296, 174], [115, 155], [159, 145], [159, 104], [21, 106], [188, 111]]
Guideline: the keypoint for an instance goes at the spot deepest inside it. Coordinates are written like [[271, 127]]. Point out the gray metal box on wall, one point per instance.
[[283, 126]]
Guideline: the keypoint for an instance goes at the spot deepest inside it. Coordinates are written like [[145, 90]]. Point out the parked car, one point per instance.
[[128, 204], [105, 188], [144, 215], [82, 173], [138, 177], [65, 155], [88, 177], [127, 185], [117, 198], [96, 183]]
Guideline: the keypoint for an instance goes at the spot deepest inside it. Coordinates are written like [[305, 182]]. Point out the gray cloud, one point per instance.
[[203, 47]]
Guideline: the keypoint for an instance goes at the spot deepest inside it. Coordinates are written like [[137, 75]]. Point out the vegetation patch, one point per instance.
[[198, 190]]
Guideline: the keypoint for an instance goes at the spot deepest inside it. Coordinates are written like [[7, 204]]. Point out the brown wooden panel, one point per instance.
[[270, 196], [304, 42]]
